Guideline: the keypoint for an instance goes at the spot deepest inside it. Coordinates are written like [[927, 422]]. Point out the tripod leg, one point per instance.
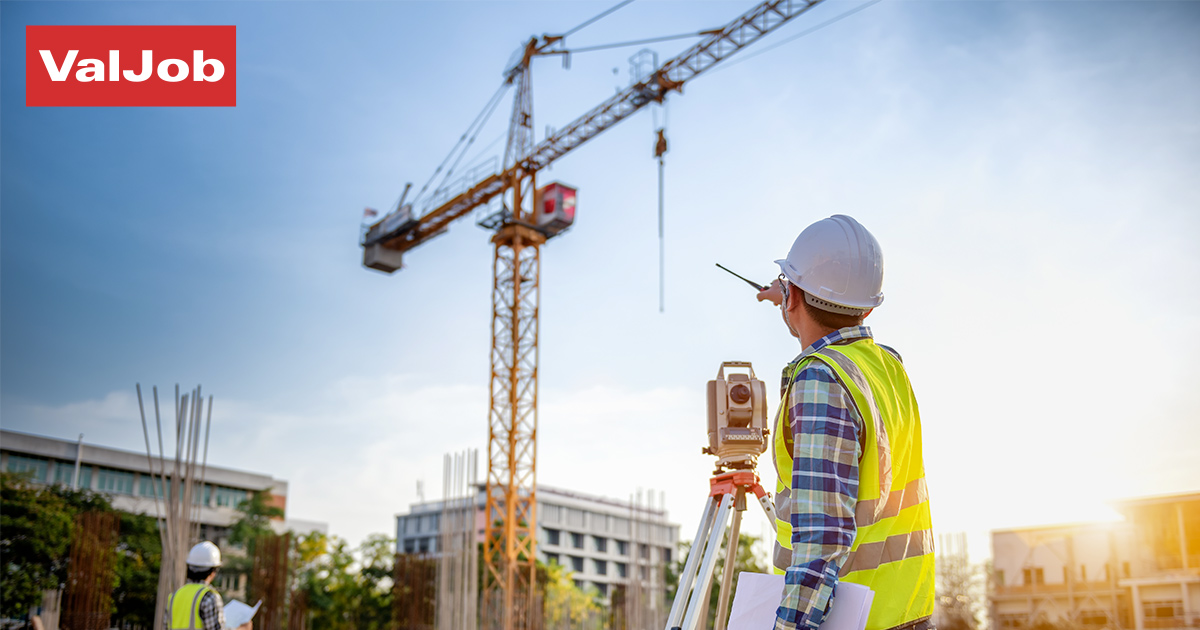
[[706, 568], [769, 509], [688, 576], [731, 551]]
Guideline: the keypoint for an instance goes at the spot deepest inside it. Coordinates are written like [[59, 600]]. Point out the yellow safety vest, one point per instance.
[[892, 552], [185, 606]]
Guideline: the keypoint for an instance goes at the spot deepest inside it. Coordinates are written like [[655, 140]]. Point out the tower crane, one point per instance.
[[527, 217]]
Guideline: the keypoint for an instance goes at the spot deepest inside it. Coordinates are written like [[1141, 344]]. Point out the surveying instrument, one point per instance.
[[737, 435]]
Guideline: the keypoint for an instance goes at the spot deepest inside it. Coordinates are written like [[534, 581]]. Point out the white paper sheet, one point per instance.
[[238, 613], [755, 601], [758, 596]]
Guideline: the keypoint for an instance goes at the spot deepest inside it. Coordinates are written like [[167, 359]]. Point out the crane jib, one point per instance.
[[671, 75]]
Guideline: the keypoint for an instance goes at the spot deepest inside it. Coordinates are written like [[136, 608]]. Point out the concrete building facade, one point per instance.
[[1138, 574], [603, 542], [124, 477]]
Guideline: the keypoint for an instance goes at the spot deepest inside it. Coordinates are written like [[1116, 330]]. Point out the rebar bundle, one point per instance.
[[269, 580], [174, 489], [414, 592], [643, 595], [297, 618], [458, 553], [91, 571]]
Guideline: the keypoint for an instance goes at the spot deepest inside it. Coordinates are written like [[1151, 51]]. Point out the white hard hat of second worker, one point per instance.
[[204, 555], [838, 264]]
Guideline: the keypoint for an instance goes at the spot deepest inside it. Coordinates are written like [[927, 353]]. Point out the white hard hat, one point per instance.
[[838, 264], [204, 555]]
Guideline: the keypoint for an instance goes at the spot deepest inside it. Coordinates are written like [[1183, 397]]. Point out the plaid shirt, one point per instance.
[[212, 613], [826, 436]]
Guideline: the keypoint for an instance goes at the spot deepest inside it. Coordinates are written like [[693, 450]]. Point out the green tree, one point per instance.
[[36, 527], [347, 588], [255, 520], [564, 603], [139, 555]]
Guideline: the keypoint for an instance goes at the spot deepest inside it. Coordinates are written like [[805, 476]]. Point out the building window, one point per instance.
[[1000, 577], [577, 540], [202, 498], [622, 548], [602, 588], [1083, 573], [645, 570], [423, 545], [601, 567], [1093, 618], [622, 569], [230, 497], [64, 473], [644, 551], [115, 481], [20, 464], [574, 517], [601, 543], [552, 537], [577, 564], [410, 545], [146, 486], [551, 558], [578, 584], [666, 554], [1033, 576]]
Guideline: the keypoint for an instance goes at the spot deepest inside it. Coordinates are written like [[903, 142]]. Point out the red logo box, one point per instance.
[[130, 66]]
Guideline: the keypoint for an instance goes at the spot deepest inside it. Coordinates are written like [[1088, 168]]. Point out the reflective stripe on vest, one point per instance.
[[185, 606], [892, 552]]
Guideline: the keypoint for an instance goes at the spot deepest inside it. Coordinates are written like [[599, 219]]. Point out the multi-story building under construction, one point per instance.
[[603, 542], [1138, 574]]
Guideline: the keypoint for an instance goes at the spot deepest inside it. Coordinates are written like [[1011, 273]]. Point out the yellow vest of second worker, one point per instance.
[[892, 551], [185, 606]]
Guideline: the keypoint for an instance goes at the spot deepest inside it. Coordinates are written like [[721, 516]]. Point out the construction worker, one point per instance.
[[196, 605], [851, 501]]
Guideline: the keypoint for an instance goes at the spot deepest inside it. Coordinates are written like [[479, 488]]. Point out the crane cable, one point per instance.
[[597, 17], [445, 178], [637, 42], [491, 105]]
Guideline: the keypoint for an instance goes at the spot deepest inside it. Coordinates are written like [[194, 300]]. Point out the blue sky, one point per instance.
[[1028, 167]]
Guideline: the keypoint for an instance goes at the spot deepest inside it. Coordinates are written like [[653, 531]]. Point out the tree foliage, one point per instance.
[[564, 603], [36, 528], [347, 588]]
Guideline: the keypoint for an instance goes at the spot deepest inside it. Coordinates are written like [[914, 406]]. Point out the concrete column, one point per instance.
[[1139, 617], [1187, 601], [1183, 546]]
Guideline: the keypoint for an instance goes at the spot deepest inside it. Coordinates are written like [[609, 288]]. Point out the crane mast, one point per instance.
[[510, 599]]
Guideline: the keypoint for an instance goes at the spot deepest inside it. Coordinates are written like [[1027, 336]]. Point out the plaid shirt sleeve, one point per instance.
[[825, 453]]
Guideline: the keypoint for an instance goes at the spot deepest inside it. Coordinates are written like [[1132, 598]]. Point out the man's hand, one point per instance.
[[774, 293]]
